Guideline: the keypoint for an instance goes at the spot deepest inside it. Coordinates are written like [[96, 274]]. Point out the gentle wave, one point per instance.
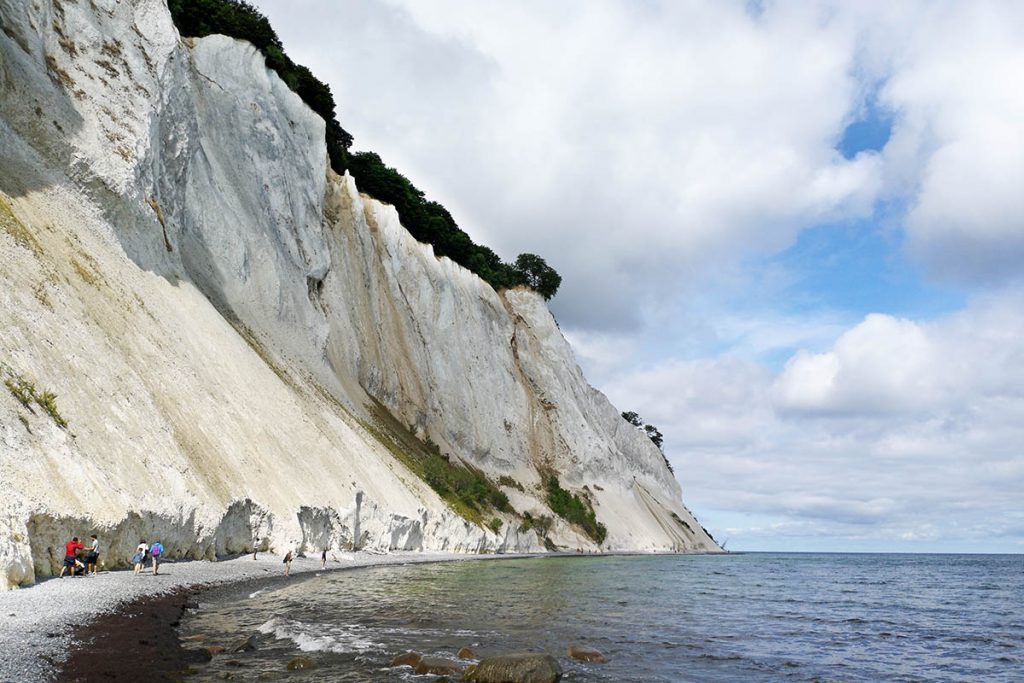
[[319, 637]]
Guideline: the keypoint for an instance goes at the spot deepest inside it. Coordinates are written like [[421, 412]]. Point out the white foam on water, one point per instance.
[[320, 637]]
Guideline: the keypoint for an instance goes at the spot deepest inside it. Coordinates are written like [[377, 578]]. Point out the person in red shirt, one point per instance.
[[71, 548]]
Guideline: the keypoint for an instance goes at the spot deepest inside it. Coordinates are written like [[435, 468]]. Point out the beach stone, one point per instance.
[[587, 654], [466, 653], [439, 666], [522, 667], [215, 649], [299, 663], [196, 638], [407, 659], [247, 645], [197, 656]]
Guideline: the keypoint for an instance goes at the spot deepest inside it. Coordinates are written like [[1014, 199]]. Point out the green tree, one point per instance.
[[654, 435], [538, 275], [652, 432]]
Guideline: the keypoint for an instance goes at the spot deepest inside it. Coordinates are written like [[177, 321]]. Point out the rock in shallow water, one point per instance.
[[526, 667], [249, 644], [587, 654], [439, 666], [466, 653], [299, 663], [407, 659]]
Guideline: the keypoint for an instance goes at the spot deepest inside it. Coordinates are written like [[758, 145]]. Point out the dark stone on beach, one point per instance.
[[466, 653], [197, 656], [299, 663], [587, 654], [439, 666], [407, 659], [525, 667], [248, 645]]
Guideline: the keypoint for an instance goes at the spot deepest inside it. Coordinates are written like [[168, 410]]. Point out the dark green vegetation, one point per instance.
[[505, 480], [652, 432], [541, 524], [25, 391], [426, 220], [465, 488], [430, 222], [573, 509]]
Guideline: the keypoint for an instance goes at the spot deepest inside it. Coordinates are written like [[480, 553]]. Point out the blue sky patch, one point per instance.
[[869, 133]]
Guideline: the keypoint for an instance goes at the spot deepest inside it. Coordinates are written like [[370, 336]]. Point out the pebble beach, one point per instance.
[[42, 625]]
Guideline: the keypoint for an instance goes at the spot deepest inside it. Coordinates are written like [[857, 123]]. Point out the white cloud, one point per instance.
[[886, 366], [631, 146], [958, 142], [881, 366]]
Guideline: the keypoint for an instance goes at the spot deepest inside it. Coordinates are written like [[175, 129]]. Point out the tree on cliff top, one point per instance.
[[652, 432], [538, 275]]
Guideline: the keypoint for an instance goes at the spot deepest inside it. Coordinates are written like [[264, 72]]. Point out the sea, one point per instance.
[[733, 617]]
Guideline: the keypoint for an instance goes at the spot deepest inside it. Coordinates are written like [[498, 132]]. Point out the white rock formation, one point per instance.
[[239, 341]]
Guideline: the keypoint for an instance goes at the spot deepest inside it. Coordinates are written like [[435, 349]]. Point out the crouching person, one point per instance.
[[71, 548]]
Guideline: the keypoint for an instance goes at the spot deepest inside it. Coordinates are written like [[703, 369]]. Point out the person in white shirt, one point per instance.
[[92, 556]]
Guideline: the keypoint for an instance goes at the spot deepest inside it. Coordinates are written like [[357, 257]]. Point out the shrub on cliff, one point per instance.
[[652, 432], [573, 509], [430, 222]]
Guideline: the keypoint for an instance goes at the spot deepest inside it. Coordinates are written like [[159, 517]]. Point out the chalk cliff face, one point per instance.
[[235, 336]]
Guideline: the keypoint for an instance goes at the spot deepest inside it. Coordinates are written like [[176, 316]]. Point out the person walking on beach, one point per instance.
[[71, 548], [92, 556], [288, 562], [139, 558], [255, 547], [156, 551], [323, 559]]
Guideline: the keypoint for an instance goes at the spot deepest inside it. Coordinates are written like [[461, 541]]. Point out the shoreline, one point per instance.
[[119, 625]]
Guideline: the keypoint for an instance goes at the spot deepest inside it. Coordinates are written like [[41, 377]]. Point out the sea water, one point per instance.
[[736, 617]]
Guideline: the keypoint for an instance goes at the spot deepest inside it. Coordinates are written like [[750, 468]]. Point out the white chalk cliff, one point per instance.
[[239, 341]]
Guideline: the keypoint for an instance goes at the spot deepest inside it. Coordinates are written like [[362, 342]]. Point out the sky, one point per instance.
[[791, 234]]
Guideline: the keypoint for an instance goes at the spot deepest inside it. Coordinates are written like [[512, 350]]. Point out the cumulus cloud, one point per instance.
[[958, 141], [886, 366], [899, 424]]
